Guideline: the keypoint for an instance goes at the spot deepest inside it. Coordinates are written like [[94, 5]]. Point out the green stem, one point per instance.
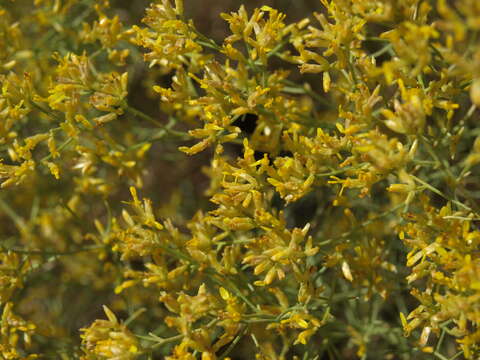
[[438, 192], [50, 253], [233, 343], [340, 171], [168, 340], [142, 115], [382, 51], [47, 112], [17, 219], [60, 148], [304, 90]]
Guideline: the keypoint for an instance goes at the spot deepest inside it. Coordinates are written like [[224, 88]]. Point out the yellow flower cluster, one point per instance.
[[276, 190], [445, 258], [109, 339]]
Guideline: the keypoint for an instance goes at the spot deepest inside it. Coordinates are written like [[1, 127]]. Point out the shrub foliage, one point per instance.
[[294, 190]]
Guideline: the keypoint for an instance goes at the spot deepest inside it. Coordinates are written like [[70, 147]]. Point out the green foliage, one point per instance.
[[296, 190]]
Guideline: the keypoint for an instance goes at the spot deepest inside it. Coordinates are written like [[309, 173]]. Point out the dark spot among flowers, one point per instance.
[[137, 265], [247, 123]]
